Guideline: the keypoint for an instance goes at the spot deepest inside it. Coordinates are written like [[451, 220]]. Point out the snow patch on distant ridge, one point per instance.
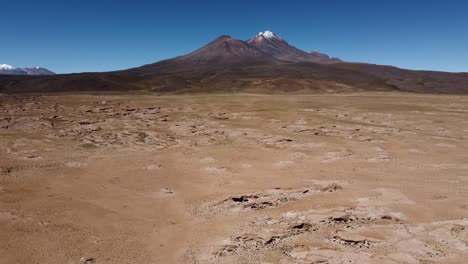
[[6, 67]]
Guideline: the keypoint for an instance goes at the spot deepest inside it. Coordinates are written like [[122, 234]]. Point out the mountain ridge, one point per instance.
[[226, 64], [272, 44], [10, 70]]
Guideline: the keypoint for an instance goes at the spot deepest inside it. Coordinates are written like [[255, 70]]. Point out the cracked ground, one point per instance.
[[337, 178]]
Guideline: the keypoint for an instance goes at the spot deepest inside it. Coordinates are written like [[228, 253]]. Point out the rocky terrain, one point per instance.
[[234, 178]]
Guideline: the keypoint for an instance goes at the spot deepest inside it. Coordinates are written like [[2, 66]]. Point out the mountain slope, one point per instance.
[[227, 50], [9, 70], [264, 64], [37, 71], [413, 81], [220, 53], [277, 47], [227, 64]]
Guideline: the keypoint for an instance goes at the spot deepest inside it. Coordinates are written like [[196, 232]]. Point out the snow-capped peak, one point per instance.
[[6, 67], [268, 34]]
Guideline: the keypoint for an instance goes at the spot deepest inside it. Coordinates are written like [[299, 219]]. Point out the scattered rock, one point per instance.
[[153, 167], [331, 188], [216, 169], [75, 164], [246, 165], [348, 242], [167, 192], [87, 261], [208, 160], [284, 163]]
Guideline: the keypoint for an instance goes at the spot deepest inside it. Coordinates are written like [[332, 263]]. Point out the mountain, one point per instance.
[[7, 69], [227, 50], [219, 54], [263, 64], [275, 46], [10, 70], [37, 71]]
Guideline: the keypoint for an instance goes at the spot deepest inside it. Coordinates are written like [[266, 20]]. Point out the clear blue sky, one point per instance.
[[103, 35]]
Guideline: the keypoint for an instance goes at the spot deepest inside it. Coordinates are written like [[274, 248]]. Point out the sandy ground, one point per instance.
[[350, 178]]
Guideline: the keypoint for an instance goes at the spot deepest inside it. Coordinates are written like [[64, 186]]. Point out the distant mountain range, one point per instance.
[[265, 63], [9, 70]]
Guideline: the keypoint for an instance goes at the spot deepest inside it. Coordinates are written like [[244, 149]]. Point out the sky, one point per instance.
[[105, 35]]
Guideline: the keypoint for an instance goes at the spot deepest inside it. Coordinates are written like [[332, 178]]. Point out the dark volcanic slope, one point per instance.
[[260, 65], [89, 82], [227, 50], [277, 47], [216, 55], [227, 64], [414, 81]]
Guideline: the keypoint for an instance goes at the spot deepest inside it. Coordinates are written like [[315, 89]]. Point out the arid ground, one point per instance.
[[235, 178]]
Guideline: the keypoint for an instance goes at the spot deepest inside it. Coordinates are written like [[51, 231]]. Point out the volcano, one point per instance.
[[266, 63]]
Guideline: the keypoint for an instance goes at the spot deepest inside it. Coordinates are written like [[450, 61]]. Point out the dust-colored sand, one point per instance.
[[349, 178]]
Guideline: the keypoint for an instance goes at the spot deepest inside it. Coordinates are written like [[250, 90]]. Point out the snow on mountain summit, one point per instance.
[[268, 34], [6, 67]]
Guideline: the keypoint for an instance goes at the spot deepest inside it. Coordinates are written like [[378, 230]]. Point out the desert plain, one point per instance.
[[377, 177]]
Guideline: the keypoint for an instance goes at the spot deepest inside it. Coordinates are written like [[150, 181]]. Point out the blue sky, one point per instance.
[[104, 35]]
